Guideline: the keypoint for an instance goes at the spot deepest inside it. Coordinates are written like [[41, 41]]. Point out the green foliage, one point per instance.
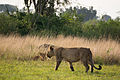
[[99, 60], [100, 29], [67, 24], [7, 24]]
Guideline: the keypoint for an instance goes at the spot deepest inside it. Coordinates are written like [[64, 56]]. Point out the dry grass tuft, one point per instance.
[[15, 47]]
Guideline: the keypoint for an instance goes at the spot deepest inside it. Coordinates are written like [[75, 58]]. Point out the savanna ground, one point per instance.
[[39, 70], [16, 54]]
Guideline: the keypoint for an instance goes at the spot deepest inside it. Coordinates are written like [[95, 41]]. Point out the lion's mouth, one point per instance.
[[48, 56]]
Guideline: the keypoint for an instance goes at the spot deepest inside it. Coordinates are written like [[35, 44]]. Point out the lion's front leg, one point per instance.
[[71, 66], [58, 63]]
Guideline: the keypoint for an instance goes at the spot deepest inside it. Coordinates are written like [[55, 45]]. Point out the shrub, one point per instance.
[[35, 24], [7, 24]]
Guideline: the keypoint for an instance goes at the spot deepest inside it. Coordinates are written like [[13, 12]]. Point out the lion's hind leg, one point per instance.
[[85, 63], [92, 65]]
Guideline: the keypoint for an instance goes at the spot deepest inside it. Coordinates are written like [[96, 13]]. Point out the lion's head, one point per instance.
[[51, 52]]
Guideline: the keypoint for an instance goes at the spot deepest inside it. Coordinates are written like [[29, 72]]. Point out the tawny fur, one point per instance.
[[73, 55]]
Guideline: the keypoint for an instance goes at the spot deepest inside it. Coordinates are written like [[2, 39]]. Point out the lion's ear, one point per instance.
[[51, 48]]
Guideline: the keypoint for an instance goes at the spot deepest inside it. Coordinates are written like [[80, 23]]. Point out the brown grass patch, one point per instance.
[[15, 47]]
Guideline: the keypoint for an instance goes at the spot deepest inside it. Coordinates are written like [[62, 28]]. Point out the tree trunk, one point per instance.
[[28, 10], [35, 5]]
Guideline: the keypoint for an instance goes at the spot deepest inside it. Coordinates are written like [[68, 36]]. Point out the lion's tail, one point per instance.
[[100, 67], [92, 62]]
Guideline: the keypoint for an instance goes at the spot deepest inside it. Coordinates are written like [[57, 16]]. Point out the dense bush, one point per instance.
[[7, 24], [35, 24], [98, 29]]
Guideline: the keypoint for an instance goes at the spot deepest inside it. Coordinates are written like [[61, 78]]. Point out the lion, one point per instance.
[[42, 52], [73, 55]]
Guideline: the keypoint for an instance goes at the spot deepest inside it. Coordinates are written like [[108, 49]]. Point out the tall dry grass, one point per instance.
[[15, 47]]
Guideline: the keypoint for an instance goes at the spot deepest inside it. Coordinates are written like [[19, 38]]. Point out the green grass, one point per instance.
[[44, 70]]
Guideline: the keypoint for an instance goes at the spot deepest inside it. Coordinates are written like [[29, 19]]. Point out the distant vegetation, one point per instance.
[[8, 7], [67, 24], [79, 22]]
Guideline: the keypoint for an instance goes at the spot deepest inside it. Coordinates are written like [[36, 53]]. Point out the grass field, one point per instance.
[[16, 59], [44, 70]]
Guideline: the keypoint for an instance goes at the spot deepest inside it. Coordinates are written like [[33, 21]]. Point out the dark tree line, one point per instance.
[[89, 14]]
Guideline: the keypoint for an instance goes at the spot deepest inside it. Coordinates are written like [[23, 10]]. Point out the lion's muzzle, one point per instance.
[[48, 56]]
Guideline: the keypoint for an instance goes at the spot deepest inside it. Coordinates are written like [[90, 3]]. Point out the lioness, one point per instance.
[[73, 55]]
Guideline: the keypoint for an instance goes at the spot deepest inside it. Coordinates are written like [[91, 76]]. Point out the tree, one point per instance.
[[71, 15], [8, 7], [89, 14], [106, 17], [81, 14], [44, 6], [28, 4]]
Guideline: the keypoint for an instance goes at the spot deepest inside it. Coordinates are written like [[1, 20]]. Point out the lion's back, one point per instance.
[[75, 54]]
